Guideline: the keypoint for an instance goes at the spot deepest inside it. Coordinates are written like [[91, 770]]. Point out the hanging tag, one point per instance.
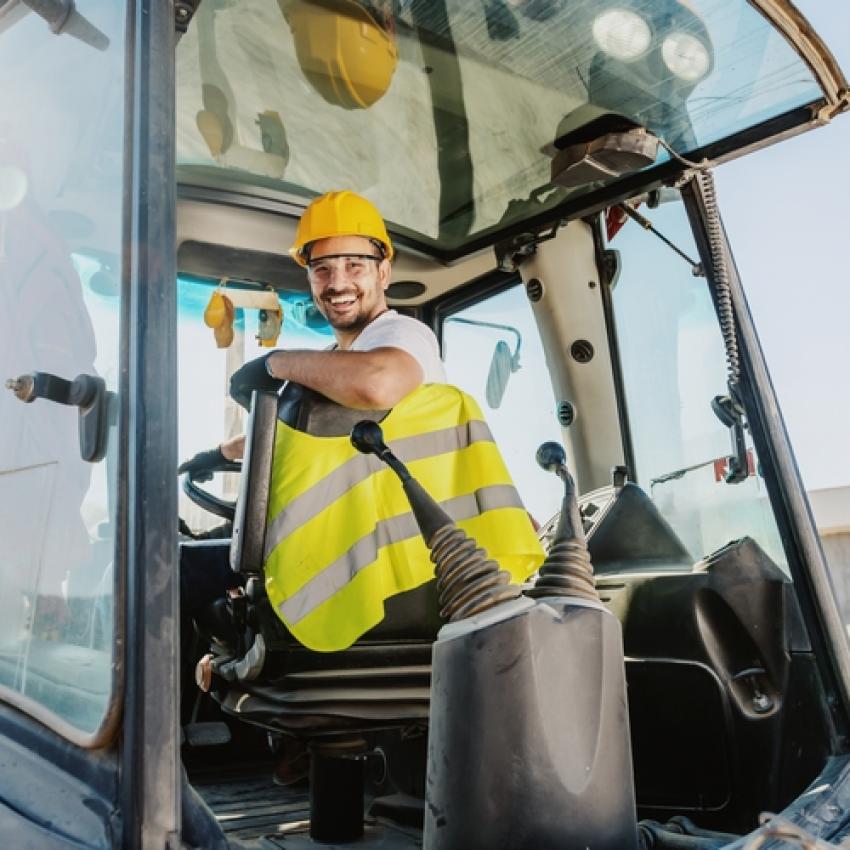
[[268, 326]]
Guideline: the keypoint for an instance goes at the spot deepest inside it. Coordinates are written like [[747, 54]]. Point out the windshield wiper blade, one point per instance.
[[679, 473]]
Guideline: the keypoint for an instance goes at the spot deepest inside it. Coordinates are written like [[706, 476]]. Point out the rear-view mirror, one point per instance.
[[500, 372], [502, 363]]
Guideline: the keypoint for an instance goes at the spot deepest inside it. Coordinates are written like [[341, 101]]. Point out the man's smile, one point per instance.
[[341, 300]]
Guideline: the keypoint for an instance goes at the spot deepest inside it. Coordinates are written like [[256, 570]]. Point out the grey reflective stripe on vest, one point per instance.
[[336, 484], [336, 575]]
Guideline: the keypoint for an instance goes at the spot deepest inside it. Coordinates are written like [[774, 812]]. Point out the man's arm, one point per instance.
[[366, 380], [234, 448]]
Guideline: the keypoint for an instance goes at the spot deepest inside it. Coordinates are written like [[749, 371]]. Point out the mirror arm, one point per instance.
[[496, 326]]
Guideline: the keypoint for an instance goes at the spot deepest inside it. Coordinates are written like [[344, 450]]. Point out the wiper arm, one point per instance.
[[62, 17], [696, 268], [679, 473]]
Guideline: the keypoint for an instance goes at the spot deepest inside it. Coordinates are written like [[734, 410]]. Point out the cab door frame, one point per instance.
[[150, 758], [121, 786], [806, 560]]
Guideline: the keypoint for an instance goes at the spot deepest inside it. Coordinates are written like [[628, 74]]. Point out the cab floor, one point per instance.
[[256, 814]]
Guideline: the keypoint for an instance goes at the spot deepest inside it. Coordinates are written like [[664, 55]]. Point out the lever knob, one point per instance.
[[22, 387], [368, 437], [551, 456]]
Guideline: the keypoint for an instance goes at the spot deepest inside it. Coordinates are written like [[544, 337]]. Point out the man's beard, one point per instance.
[[355, 322]]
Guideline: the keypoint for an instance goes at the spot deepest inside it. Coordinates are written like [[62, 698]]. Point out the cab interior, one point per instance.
[[560, 309], [726, 707], [541, 165]]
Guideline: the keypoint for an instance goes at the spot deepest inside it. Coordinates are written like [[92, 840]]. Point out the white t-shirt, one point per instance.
[[393, 330]]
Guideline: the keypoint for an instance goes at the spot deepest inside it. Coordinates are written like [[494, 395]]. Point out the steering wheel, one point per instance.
[[202, 498]]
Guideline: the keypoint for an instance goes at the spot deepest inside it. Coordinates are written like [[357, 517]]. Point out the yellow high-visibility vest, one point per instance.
[[341, 537]]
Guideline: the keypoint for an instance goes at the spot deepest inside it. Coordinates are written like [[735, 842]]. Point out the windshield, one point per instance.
[[673, 366], [445, 114]]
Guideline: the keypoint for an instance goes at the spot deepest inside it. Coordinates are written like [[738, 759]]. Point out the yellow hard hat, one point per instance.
[[347, 56], [339, 214]]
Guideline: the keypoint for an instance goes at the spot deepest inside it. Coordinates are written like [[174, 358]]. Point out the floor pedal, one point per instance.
[[210, 734]]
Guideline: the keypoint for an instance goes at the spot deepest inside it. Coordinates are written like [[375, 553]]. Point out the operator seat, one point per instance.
[[383, 679]]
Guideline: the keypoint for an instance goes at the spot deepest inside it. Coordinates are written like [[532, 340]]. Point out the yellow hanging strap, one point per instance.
[[221, 311], [219, 315]]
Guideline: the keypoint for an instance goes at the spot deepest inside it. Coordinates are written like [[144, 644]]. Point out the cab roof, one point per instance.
[[457, 152]]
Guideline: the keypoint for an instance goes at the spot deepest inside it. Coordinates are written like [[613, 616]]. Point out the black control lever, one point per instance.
[[567, 571], [468, 582], [86, 392], [368, 438], [551, 457]]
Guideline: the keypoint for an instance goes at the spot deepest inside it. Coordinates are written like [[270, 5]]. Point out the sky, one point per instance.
[[787, 212]]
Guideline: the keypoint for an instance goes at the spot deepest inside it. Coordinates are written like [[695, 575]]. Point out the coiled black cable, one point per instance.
[[720, 268], [722, 288]]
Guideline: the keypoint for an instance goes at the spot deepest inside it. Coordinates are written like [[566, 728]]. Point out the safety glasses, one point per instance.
[[352, 266]]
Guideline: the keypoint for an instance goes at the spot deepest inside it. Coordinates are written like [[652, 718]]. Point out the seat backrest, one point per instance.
[[249, 521], [309, 411], [412, 615]]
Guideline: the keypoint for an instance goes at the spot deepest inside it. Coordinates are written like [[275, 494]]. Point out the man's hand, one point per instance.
[[251, 376], [199, 465]]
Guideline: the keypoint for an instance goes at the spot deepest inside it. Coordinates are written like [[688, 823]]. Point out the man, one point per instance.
[[331, 562], [380, 356]]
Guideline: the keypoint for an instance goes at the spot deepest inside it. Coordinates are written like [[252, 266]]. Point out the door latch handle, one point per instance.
[[86, 392]]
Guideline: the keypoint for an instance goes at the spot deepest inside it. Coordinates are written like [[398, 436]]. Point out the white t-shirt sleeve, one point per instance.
[[392, 330]]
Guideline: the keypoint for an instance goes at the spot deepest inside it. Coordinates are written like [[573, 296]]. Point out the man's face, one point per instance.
[[348, 280]]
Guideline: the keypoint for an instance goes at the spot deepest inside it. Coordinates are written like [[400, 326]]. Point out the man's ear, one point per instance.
[[385, 273]]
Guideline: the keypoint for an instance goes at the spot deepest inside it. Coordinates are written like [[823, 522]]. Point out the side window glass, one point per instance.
[[61, 199], [673, 366], [492, 350]]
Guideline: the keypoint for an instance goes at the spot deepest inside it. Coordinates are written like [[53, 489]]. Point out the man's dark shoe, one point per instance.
[[294, 765]]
